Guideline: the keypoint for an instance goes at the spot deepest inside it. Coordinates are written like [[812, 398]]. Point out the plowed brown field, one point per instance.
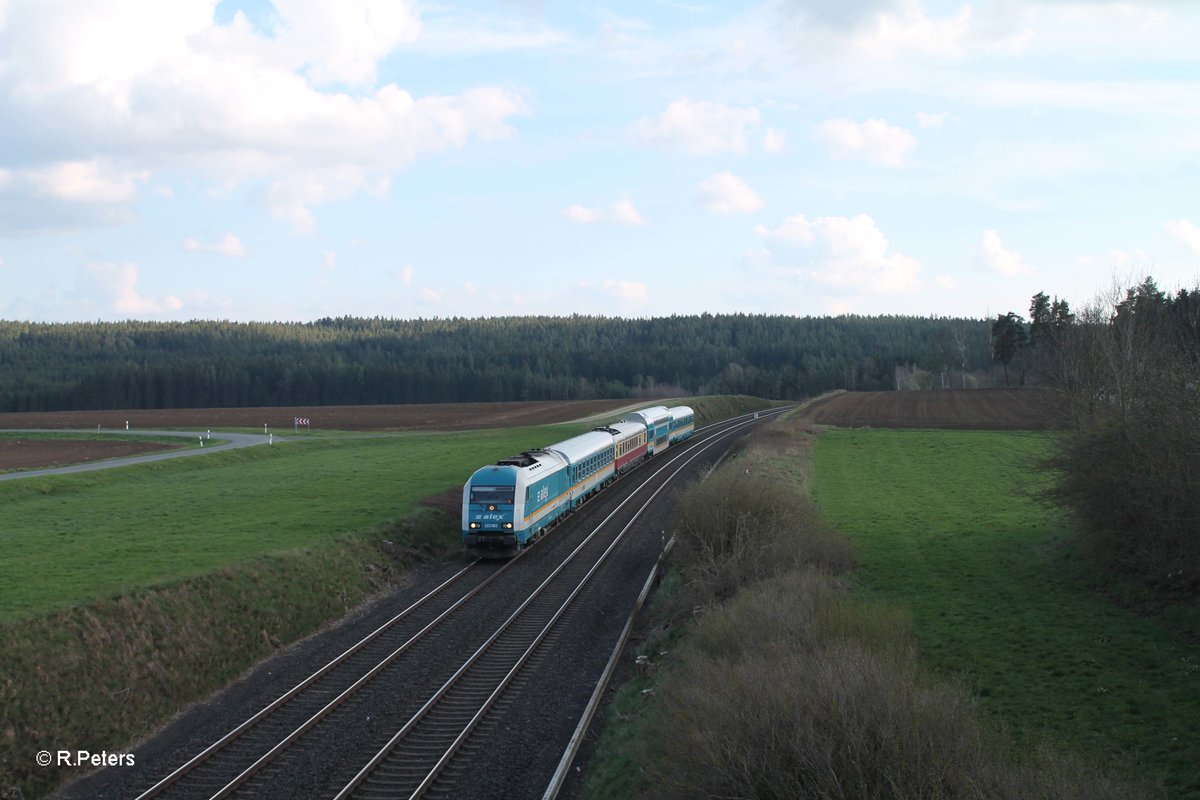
[[1000, 409], [31, 454], [38, 453], [440, 417]]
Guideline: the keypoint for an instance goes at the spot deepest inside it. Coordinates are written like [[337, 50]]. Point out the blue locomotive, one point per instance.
[[508, 504]]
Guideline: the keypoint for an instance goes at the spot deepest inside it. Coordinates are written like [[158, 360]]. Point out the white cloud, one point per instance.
[[873, 141], [1184, 232], [228, 245], [838, 14], [935, 120], [328, 259], [117, 284], [629, 292], [946, 282], [699, 128], [843, 253], [991, 256], [143, 86], [621, 212], [406, 275], [890, 30], [774, 141], [343, 42], [726, 193], [85, 182]]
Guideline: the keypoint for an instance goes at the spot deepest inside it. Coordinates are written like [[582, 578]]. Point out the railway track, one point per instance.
[[419, 756], [224, 765], [413, 760]]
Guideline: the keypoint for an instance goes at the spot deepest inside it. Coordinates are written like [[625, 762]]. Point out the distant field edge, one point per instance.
[[283, 419], [952, 409]]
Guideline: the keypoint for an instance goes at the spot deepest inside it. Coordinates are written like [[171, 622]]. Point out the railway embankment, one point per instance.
[[102, 675]]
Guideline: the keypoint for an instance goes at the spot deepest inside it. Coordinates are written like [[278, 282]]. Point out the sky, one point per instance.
[[296, 159]]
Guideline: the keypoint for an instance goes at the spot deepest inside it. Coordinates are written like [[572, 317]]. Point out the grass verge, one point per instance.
[[103, 533], [944, 524]]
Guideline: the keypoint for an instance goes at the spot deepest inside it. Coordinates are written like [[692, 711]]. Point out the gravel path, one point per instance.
[[229, 441]]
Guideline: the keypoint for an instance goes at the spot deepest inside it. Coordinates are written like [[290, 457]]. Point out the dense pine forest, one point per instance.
[[72, 366]]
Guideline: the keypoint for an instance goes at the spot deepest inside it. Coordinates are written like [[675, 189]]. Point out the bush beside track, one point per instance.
[[107, 671]]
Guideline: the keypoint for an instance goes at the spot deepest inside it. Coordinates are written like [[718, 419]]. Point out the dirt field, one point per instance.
[[37, 453], [441, 417], [1000, 409]]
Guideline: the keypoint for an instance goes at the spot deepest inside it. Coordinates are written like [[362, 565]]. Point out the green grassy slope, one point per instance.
[[944, 525], [103, 533]]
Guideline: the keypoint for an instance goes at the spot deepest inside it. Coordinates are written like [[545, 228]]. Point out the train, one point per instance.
[[509, 504]]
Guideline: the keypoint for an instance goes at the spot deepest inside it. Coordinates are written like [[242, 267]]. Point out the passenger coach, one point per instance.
[[682, 424], [657, 420]]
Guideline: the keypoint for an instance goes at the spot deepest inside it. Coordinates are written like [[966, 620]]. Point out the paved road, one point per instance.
[[230, 441]]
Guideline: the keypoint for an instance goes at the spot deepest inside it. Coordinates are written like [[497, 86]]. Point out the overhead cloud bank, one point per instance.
[[100, 98]]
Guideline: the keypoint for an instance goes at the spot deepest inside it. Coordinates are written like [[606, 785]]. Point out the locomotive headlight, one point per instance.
[[508, 525], [474, 525]]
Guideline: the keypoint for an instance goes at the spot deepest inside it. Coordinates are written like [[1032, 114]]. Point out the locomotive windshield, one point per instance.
[[492, 495]]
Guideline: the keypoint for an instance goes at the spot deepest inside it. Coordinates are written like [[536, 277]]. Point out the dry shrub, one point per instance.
[[793, 691], [736, 528]]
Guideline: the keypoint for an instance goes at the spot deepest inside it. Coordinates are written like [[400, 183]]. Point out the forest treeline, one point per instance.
[[350, 361], [1127, 464]]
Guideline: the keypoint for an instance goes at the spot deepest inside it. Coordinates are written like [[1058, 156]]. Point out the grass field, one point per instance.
[[944, 527], [102, 533]]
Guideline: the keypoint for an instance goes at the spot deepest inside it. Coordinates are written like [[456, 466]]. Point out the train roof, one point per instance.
[[648, 415], [580, 447], [623, 429], [681, 411]]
